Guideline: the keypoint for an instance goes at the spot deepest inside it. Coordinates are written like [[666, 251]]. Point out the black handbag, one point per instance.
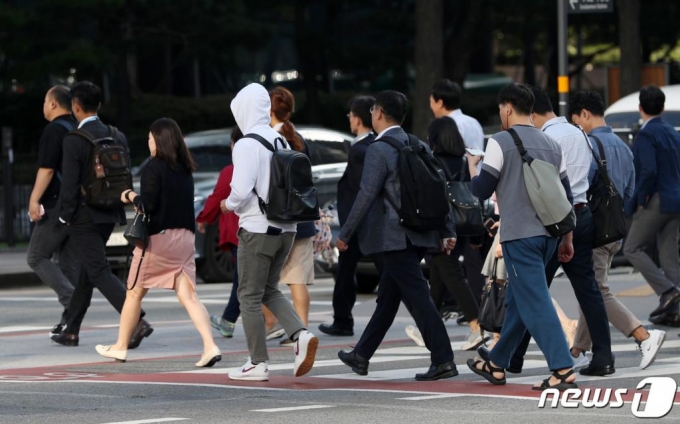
[[492, 306], [467, 209], [606, 204], [137, 234]]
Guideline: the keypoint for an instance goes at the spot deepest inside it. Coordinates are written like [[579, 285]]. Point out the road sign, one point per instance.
[[590, 6]]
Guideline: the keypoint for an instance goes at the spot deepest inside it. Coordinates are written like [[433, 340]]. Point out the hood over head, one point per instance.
[[251, 107]]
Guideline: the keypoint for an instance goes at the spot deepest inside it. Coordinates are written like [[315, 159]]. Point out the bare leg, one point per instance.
[[640, 334], [129, 316], [568, 325], [474, 326], [199, 315], [269, 318], [300, 296]]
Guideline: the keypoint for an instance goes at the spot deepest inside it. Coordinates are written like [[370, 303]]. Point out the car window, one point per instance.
[[211, 158], [630, 119]]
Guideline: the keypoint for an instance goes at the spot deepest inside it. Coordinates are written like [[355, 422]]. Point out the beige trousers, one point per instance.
[[618, 314]]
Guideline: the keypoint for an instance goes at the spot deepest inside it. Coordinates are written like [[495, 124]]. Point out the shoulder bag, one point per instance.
[[492, 305], [137, 234], [467, 209]]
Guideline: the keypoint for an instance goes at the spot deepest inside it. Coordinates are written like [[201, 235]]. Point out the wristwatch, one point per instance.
[[127, 195]]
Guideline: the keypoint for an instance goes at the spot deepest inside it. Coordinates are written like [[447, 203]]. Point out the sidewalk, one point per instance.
[[14, 271]]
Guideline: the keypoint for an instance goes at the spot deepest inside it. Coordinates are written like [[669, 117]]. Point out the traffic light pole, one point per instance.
[[563, 62]]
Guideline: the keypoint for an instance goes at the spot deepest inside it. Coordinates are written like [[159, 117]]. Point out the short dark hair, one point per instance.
[[519, 96], [360, 106], [448, 92], [61, 95], [652, 100], [588, 100], [443, 136], [542, 103], [393, 104], [170, 145], [87, 95]]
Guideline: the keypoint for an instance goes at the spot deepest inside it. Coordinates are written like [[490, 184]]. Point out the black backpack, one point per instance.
[[424, 204], [292, 195], [605, 203], [108, 173]]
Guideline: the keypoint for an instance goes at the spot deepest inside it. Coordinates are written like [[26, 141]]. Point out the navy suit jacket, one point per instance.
[[348, 186], [656, 154]]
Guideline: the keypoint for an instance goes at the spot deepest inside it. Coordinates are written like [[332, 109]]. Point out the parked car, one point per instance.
[[211, 151]]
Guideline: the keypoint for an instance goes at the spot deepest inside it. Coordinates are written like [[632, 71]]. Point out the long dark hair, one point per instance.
[[170, 145], [283, 106], [444, 137]]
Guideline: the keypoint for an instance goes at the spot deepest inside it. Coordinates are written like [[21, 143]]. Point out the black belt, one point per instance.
[[579, 206]]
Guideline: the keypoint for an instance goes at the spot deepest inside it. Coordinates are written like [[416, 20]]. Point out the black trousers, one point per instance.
[[446, 273], [89, 244], [582, 277], [402, 280], [474, 262], [345, 290]]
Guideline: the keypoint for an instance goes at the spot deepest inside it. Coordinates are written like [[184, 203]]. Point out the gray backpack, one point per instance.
[[546, 192]]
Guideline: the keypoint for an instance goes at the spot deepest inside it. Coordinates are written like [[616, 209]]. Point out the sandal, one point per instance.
[[562, 385], [486, 371]]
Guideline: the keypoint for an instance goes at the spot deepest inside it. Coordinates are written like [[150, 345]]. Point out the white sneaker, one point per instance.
[[650, 347], [415, 335], [305, 352], [581, 361], [251, 372], [276, 332], [473, 341]]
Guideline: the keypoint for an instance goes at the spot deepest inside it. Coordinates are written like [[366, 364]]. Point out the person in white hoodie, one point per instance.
[[263, 245]]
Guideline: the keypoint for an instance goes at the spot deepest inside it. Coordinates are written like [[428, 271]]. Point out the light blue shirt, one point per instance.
[[86, 120], [619, 161], [470, 129]]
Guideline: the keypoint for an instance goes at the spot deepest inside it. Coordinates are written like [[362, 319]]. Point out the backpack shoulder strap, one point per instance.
[[87, 136], [413, 140], [602, 161], [520, 146], [267, 145], [66, 124], [398, 145]]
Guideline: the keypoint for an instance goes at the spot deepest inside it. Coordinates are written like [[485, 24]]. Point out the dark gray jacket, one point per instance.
[[373, 215]]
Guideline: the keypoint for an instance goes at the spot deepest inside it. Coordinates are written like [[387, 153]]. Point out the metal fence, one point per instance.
[[19, 218]]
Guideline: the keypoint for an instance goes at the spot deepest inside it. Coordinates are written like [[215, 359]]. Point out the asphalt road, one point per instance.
[[41, 382]]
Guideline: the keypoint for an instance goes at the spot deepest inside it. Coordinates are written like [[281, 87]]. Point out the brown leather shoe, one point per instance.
[[66, 339], [143, 329]]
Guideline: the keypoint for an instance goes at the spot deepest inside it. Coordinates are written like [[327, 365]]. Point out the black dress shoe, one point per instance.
[[66, 339], [668, 299], [358, 364], [436, 372], [333, 330], [484, 353], [670, 320], [143, 329], [598, 370]]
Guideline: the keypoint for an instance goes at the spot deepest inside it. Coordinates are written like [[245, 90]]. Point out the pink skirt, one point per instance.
[[168, 254]]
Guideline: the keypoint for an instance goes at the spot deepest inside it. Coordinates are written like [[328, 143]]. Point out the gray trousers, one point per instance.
[[260, 260], [650, 227], [48, 239], [618, 314]]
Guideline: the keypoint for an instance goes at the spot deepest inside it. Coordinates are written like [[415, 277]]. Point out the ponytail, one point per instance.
[[288, 131]]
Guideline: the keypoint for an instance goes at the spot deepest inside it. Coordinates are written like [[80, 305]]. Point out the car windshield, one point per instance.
[[630, 119], [211, 158]]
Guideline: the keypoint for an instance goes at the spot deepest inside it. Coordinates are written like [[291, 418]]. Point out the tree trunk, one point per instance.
[[629, 42], [197, 78], [124, 90], [429, 60], [460, 47]]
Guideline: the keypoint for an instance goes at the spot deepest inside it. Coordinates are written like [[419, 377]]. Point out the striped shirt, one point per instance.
[[469, 129], [575, 152]]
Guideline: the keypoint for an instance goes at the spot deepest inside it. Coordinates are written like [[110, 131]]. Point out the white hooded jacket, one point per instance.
[[252, 161]]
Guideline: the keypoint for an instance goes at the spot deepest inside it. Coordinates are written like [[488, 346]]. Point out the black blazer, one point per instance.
[[76, 160], [348, 186]]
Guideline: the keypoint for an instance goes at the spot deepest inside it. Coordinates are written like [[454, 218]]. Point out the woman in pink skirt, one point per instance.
[[167, 197]]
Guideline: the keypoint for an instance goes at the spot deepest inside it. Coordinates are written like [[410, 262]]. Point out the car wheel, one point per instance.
[[218, 265], [366, 284]]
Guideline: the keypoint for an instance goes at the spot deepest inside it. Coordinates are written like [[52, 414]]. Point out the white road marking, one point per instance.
[[317, 364], [153, 420], [452, 395], [293, 408], [625, 347], [160, 299]]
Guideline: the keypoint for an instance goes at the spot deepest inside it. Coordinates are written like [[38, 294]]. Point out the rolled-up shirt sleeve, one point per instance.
[[484, 185]]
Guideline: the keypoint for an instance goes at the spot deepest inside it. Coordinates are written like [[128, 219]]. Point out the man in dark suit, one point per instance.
[[345, 291], [89, 228], [655, 206], [402, 278]]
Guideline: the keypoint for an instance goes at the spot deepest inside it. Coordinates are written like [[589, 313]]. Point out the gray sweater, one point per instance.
[[374, 217]]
